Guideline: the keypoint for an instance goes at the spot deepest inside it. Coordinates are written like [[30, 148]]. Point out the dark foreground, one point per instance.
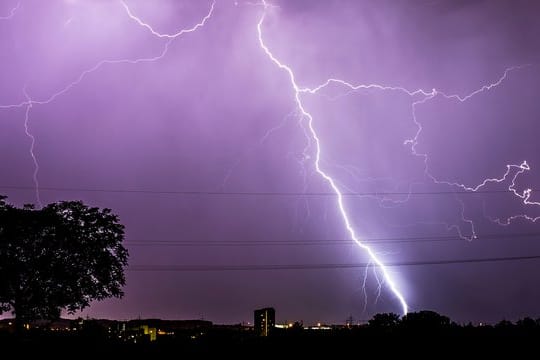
[[231, 343]]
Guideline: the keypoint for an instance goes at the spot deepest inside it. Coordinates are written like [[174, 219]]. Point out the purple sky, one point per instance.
[[216, 116]]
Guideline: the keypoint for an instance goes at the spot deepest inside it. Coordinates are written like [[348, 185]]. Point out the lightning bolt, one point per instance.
[[29, 103], [83, 74], [420, 97], [426, 96], [520, 169], [525, 195], [331, 182], [169, 36], [364, 287], [12, 12], [429, 96], [32, 145]]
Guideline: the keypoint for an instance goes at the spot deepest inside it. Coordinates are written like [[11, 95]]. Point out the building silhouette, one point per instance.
[[265, 321]]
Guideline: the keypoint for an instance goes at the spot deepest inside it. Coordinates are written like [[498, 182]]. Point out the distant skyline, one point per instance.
[[184, 119]]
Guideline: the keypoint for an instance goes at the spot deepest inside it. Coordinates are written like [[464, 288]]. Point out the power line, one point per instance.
[[199, 268], [227, 243], [250, 193]]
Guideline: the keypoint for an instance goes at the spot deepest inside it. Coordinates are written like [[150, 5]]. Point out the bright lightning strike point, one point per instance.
[[340, 202]]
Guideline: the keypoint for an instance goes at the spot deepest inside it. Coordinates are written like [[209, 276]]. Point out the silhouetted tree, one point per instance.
[[504, 324], [60, 257], [384, 320], [526, 323], [425, 320]]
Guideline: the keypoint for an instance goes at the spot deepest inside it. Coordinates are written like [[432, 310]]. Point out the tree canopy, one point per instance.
[[62, 256]]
